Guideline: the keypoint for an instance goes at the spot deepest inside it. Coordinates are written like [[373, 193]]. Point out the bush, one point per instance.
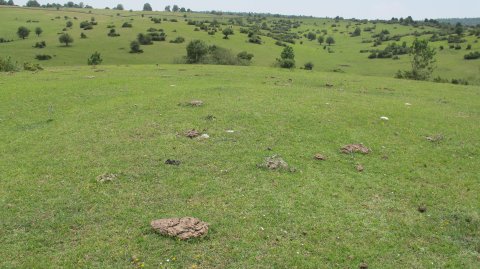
[[144, 39], [43, 57], [8, 65], [127, 25], [65, 39], [245, 56], [32, 67], [308, 66], [459, 81], [458, 47], [196, 50], [113, 33], [95, 59], [469, 47], [178, 40], [287, 58], [255, 39], [40, 45], [83, 36], [135, 47], [472, 55], [86, 25], [23, 32], [286, 63]]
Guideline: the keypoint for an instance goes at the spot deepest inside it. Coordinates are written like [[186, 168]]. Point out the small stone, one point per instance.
[[182, 228], [320, 157], [204, 137], [384, 118]]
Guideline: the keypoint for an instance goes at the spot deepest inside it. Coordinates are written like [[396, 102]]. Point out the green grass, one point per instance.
[[59, 130], [346, 57]]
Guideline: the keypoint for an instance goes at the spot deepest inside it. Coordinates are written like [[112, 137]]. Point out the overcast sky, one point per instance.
[[361, 9]]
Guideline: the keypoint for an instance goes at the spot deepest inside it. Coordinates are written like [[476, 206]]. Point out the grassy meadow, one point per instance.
[[63, 127]]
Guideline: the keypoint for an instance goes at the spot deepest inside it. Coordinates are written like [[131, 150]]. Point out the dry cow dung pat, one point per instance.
[[108, 177], [355, 148], [275, 163], [196, 103], [182, 228], [192, 133], [172, 162], [320, 157], [360, 168]]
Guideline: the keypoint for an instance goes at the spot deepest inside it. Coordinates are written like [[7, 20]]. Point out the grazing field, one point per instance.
[[344, 56], [415, 205]]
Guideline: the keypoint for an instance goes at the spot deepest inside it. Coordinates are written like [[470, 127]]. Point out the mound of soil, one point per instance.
[[196, 103], [320, 157], [182, 228], [192, 133], [275, 163], [355, 148], [108, 177]]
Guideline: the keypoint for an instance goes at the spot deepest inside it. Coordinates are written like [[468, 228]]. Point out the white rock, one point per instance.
[[230, 131], [384, 118], [408, 104], [204, 136]]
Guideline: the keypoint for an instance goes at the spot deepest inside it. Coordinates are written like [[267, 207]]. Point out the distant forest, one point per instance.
[[464, 21]]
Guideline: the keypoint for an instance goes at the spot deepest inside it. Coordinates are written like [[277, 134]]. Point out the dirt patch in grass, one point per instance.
[[182, 228], [275, 163], [192, 133], [435, 138], [320, 157]]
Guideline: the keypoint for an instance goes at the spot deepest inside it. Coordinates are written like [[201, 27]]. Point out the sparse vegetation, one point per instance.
[[65, 39]]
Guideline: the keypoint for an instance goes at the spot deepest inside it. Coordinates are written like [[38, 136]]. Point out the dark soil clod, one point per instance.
[[422, 209], [360, 168], [192, 133], [182, 228], [363, 266], [320, 157]]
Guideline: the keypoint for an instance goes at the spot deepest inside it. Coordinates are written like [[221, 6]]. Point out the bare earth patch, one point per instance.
[[196, 103], [320, 157], [182, 228], [355, 148], [360, 168], [192, 133], [276, 163]]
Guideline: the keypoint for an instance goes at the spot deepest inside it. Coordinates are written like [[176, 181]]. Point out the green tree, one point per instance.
[[65, 39], [175, 8], [311, 36], [168, 9], [95, 59], [119, 7], [23, 32], [38, 31], [459, 29], [321, 39], [357, 32], [69, 24], [422, 61], [226, 32], [196, 50], [288, 53], [147, 7], [32, 3], [10, 3], [330, 40]]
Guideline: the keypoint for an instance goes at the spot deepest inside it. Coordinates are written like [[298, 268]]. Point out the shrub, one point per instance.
[[287, 58], [308, 66], [357, 32], [135, 47], [245, 56], [459, 81], [255, 39], [330, 40], [286, 63], [69, 24], [83, 36], [458, 47], [472, 55], [157, 36], [38, 31], [8, 65], [311, 36], [423, 60], [178, 40], [43, 57], [127, 25], [32, 67], [144, 39], [469, 47], [95, 59], [40, 45], [113, 33], [226, 32]]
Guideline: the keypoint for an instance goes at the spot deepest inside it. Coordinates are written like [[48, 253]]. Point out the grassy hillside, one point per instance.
[[345, 56], [62, 128]]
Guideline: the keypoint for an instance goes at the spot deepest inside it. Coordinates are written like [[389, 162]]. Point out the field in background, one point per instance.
[[63, 127], [346, 56]]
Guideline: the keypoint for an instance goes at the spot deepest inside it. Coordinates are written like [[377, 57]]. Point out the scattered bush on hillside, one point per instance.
[[3, 40], [144, 39], [83, 36], [38, 31], [127, 25], [43, 57], [245, 56], [255, 39], [330, 40], [32, 67], [95, 59], [287, 58], [459, 81], [390, 51], [308, 66], [472, 55], [469, 47], [196, 50], [69, 24], [113, 33], [227, 32], [157, 36], [86, 25], [40, 45], [178, 40], [357, 32], [8, 65], [135, 47]]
